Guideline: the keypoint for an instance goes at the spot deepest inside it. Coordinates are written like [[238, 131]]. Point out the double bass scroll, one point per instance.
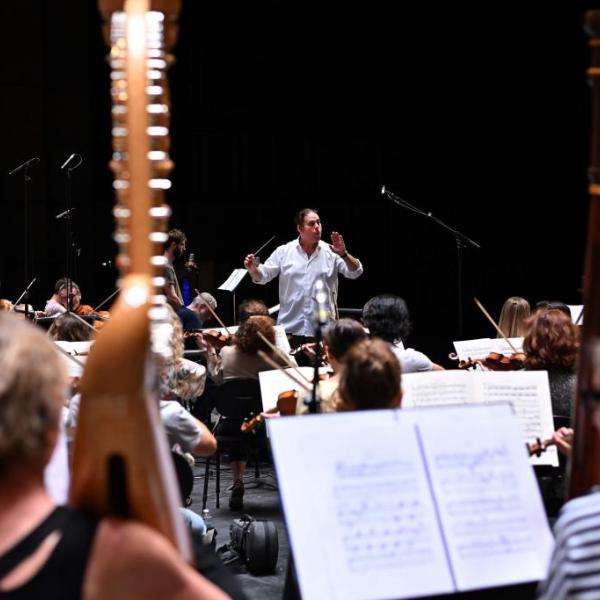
[[122, 464], [585, 460]]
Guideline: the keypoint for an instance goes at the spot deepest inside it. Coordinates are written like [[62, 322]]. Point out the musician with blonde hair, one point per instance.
[[513, 315]]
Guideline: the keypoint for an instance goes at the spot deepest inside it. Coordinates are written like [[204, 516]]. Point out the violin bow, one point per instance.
[[489, 318], [82, 320], [283, 356], [70, 356], [271, 362]]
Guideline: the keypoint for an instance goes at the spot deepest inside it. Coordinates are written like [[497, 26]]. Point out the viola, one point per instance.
[[286, 406]]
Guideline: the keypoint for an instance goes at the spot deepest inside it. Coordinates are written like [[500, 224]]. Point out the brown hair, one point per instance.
[[513, 315], [32, 382], [552, 341], [251, 308], [247, 339], [67, 328], [175, 236], [370, 377], [342, 335]]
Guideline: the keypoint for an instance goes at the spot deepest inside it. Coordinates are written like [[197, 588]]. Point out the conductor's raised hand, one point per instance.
[[337, 243]]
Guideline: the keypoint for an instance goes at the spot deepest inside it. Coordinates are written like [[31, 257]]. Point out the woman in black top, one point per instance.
[[49, 552]]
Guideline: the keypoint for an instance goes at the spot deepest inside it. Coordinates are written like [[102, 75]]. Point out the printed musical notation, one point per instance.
[[378, 507], [528, 393], [409, 503]]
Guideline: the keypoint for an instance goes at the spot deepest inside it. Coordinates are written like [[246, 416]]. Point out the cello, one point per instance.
[[121, 461], [585, 459]]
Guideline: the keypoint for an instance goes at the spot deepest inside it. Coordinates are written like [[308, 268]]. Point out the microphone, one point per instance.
[[322, 312], [70, 160], [28, 163], [64, 213], [383, 189]]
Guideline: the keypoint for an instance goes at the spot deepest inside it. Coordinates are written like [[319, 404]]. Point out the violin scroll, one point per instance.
[[286, 406]]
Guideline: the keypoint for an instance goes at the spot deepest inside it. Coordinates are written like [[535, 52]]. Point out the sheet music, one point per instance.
[[233, 280], [74, 349], [576, 316], [501, 346], [272, 383], [474, 349], [527, 391], [360, 514], [492, 514], [427, 389], [481, 347], [385, 504], [529, 394]]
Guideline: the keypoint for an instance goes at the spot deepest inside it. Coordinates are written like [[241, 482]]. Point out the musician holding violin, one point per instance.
[[65, 290], [241, 360], [299, 264]]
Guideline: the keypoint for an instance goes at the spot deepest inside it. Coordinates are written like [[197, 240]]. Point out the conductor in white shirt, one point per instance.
[[299, 264]]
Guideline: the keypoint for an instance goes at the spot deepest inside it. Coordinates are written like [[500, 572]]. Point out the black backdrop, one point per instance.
[[479, 115]]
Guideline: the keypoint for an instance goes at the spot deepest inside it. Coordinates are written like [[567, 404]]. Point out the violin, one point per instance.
[[286, 406], [99, 316], [494, 361], [212, 337]]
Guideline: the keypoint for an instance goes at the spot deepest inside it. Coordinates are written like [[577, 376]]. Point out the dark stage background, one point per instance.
[[479, 115]]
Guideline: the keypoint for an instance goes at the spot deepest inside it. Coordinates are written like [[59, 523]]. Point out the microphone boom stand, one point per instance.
[[462, 241], [69, 226], [24, 168]]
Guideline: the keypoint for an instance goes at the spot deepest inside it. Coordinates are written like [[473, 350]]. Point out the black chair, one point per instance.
[[185, 478], [236, 401]]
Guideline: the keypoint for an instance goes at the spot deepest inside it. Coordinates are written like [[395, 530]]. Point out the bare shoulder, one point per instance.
[[131, 560]]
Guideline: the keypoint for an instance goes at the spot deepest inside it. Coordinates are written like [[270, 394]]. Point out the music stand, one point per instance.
[[231, 284]]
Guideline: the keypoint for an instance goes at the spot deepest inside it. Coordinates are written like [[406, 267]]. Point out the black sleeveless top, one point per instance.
[[62, 575]]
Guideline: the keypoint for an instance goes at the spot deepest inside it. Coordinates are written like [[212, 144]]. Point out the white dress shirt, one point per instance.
[[298, 273]]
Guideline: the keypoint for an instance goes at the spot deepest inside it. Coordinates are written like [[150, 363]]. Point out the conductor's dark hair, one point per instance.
[[301, 215], [386, 317], [175, 236]]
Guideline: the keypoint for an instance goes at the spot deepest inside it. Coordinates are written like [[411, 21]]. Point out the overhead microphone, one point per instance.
[[70, 160], [28, 163], [383, 189], [64, 213]]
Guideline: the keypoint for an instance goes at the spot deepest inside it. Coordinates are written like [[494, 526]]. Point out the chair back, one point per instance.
[[238, 398]]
